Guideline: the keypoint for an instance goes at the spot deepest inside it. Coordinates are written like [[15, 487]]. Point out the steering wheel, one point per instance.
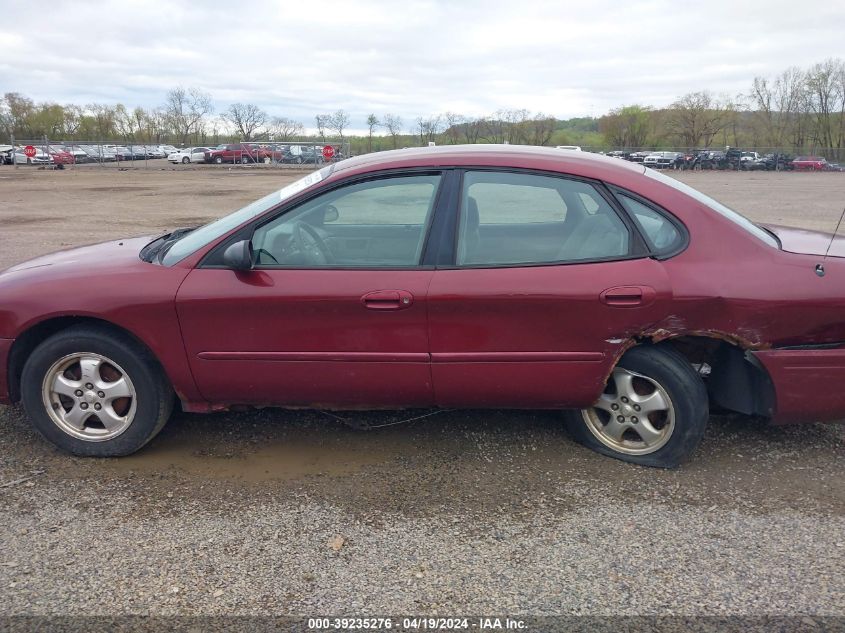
[[310, 243]]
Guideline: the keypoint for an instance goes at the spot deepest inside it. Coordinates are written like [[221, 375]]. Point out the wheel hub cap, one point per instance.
[[89, 396], [634, 415]]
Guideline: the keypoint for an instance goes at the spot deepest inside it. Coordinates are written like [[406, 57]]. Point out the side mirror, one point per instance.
[[238, 256]]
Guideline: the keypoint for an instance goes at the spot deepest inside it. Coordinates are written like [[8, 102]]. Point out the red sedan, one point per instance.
[[477, 276], [809, 163]]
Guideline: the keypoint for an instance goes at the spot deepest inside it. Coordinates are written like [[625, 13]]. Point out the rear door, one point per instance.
[[549, 278]]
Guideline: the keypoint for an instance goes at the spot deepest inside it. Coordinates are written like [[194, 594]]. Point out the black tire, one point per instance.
[[185, 160], [154, 395], [244, 160], [218, 160], [686, 389]]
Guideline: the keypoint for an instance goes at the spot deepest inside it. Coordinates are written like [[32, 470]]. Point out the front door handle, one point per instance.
[[387, 300], [628, 296]]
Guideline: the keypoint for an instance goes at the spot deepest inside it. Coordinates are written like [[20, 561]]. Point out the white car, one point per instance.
[[661, 160], [573, 148], [748, 157], [189, 155], [40, 158]]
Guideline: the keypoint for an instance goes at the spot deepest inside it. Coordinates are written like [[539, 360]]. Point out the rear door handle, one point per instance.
[[628, 296], [387, 300]]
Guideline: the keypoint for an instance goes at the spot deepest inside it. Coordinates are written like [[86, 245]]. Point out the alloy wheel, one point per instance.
[[634, 415], [89, 396]]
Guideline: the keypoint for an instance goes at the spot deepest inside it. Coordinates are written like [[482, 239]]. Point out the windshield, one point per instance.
[[204, 235], [717, 206]]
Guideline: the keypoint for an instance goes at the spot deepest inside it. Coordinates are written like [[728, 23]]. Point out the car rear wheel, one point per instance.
[[244, 160], [96, 393], [653, 410]]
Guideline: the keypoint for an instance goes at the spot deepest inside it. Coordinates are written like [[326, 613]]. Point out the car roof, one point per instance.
[[489, 155]]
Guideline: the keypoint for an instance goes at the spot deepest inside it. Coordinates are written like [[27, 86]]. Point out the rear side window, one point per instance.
[[662, 235], [511, 219]]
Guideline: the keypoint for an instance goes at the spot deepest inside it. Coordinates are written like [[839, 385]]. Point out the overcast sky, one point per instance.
[[408, 57]]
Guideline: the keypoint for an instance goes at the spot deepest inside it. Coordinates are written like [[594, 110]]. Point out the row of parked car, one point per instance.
[[246, 153], [731, 158], [69, 154]]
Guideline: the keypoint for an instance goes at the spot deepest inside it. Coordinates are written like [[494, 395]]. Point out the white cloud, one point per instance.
[[416, 57]]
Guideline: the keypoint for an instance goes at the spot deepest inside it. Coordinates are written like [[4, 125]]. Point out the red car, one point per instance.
[[60, 156], [809, 163], [238, 153], [475, 276]]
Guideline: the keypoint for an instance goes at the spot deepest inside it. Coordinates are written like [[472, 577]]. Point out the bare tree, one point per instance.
[[246, 117], [103, 119], [697, 117], [628, 126], [493, 128], [322, 121], [186, 109], [372, 123], [393, 124], [284, 129], [471, 130], [453, 126], [338, 122], [73, 119], [824, 98], [429, 128], [539, 130]]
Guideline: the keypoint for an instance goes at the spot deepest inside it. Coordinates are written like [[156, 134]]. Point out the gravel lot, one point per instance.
[[468, 512]]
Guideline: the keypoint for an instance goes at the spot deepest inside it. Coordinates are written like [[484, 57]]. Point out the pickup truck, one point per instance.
[[237, 153]]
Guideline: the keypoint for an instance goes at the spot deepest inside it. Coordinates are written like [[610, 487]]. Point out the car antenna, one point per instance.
[[820, 267]]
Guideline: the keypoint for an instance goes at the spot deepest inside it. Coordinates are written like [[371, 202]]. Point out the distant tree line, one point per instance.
[[797, 109], [794, 110]]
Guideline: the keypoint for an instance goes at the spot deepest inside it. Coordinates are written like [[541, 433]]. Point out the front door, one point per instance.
[[333, 313], [549, 281]]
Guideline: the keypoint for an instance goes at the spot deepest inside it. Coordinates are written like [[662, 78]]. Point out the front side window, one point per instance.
[[513, 218], [192, 241], [373, 224]]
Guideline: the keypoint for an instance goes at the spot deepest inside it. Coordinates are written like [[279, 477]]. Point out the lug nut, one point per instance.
[[624, 399], [634, 419], [614, 406], [97, 406], [78, 393], [620, 418], [88, 385], [103, 395], [83, 406], [636, 407]]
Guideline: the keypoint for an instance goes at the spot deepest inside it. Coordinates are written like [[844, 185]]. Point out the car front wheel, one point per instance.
[[653, 410], [94, 392], [185, 160], [218, 160]]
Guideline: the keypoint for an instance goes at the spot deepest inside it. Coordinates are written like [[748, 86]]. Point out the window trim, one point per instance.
[[213, 259], [679, 226], [637, 249]]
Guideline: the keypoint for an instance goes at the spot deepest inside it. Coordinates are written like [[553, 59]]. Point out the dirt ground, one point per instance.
[[278, 512]]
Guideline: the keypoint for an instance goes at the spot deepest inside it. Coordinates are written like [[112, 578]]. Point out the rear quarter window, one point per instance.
[[663, 236]]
